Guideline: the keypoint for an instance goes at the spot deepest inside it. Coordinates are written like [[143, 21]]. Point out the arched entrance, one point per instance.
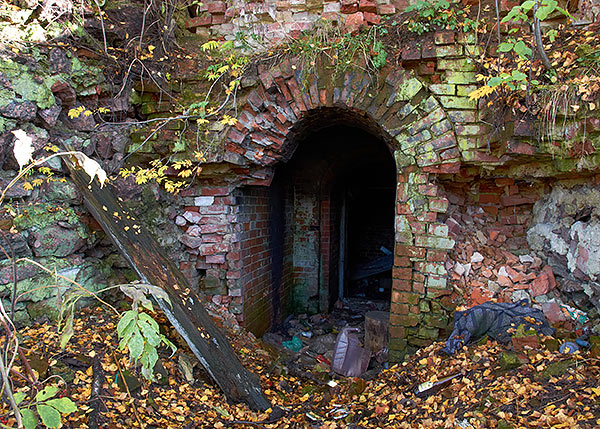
[[278, 115], [339, 198]]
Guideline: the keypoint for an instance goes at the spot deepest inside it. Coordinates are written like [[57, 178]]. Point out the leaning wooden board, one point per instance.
[[186, 312]]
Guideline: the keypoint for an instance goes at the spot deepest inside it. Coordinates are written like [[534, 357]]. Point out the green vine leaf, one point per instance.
[[49, 415]]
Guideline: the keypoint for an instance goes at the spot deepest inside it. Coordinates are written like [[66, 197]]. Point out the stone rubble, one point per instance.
[[482, 268]]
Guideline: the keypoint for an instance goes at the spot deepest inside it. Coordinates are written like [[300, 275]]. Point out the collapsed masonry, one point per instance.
[[322, 171]]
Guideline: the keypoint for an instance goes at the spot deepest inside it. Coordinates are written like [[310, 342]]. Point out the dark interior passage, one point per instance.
[[337, 230]]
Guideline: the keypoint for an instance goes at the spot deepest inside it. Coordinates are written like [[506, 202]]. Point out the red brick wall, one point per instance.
[[500, 207], [256, 257]]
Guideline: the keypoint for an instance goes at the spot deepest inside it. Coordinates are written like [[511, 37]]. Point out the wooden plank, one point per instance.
[[186, 312]]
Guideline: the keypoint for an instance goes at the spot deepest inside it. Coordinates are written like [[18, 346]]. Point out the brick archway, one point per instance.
[[401, 109]]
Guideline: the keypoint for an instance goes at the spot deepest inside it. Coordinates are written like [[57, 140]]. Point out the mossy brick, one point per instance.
[[429, 104], [471, 130], [418, 342], [428, 333], [406, 297], [438, 205], [436, 282], [465, 90], [456, 64], [444, 37], [436, 268], [467, 143], [462, 116], [418, 178], [434, 242], [405, 320], [440, 128], [407, 90], [403, 160], [443, 89], [472, 50], [428, 158], [460, 77], [448, 51], [436, 320], [480, 156], [438, 229], [397, 344], [427, 121], [408, 142], [456, 102], [424, 307]]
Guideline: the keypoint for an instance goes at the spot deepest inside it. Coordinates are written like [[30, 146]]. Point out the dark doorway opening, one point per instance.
[[338, 195]]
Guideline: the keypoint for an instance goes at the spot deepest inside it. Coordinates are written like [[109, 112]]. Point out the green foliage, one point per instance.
[[44, 406], [438, 14], [525, 13], [338, 49], [139, 332]]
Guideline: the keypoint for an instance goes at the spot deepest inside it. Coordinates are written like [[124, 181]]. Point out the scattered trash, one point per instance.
[[306, 334], [295, 344], [339, 413], [574, 313], [349, 358], [494, 319], [569, 347], [429, 388]]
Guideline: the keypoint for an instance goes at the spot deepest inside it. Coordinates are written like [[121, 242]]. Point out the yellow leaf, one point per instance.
[[210, 45]]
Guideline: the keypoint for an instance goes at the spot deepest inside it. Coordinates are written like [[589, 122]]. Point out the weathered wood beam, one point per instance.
[[185, 312]]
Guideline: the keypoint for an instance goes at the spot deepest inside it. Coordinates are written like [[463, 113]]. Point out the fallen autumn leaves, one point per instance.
[[496, 388]]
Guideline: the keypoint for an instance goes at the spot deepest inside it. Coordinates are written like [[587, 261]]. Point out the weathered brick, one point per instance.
[[456, 64], [439, 229], [397, 331], [444, 37], [216, 7], [449, 51], [465, 90], [436, 282], [434, 242], [443, 89], [460, 77], [367, 6], [401, 285], [439, 205], [455, 102], [199, 21], [410, 251], [386, 9], [405, 320]]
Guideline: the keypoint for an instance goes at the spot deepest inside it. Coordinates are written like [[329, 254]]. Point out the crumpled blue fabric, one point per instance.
[[494, 319]]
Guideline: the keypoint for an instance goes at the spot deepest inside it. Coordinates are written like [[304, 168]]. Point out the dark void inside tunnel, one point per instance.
[[332, 221]]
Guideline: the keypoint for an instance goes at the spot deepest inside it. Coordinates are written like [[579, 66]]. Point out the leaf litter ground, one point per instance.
[[494, 387]]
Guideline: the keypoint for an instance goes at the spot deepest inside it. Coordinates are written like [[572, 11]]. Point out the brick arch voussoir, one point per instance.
[[399, 103], [423, 133]]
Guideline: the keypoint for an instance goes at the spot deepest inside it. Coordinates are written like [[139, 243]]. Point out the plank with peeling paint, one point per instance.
[[186, 312]]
